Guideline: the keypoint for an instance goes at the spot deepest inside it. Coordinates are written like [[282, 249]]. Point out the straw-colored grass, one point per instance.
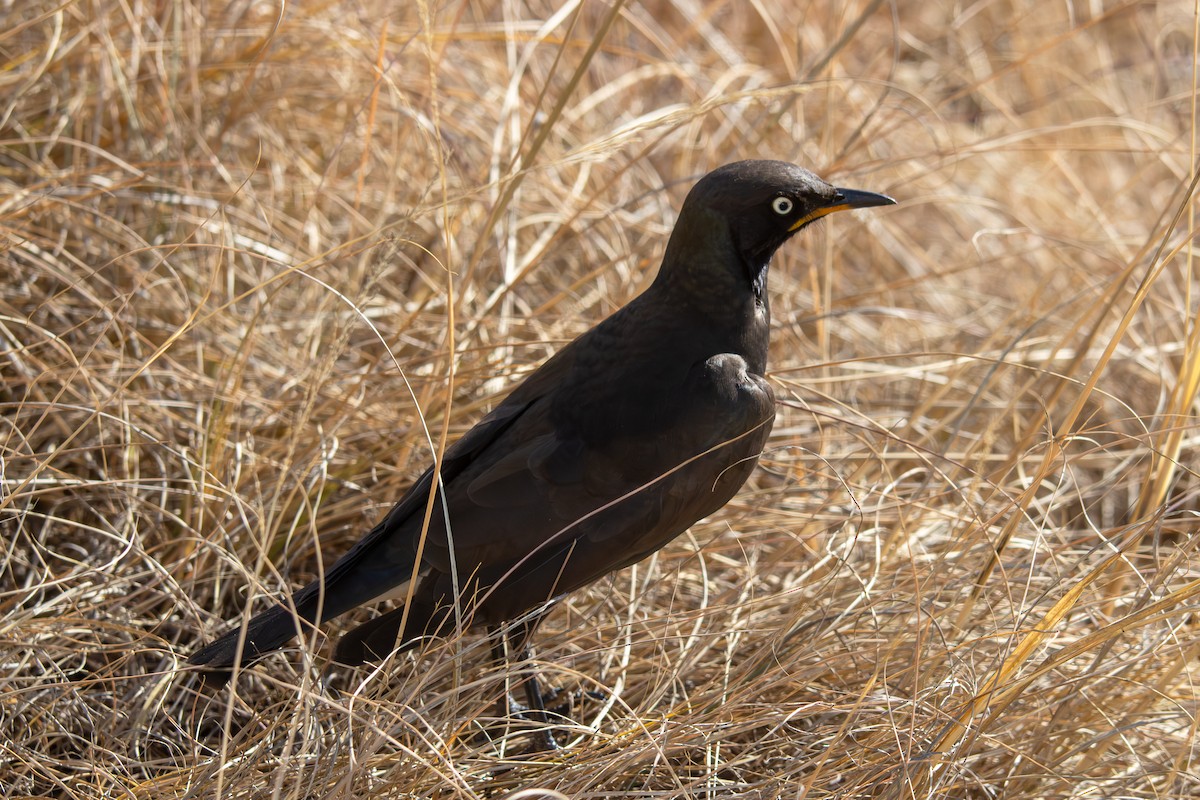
[[259, 258]]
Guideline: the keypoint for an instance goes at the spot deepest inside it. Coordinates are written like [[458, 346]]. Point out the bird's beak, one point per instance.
[[844, 200]]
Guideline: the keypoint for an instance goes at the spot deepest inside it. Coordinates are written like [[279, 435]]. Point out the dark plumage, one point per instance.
[[648, 422]]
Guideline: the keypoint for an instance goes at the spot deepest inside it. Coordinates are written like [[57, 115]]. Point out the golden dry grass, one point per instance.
[[258, 257]]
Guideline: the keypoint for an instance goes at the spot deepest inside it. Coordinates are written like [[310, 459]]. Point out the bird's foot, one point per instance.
[[544, 732], [515, 717], [559, 703], [562, 703]]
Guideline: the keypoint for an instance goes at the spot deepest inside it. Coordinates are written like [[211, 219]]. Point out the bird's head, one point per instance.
[[753, 207]]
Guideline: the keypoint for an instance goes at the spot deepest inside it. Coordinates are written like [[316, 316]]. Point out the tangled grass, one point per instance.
[[260, 258]]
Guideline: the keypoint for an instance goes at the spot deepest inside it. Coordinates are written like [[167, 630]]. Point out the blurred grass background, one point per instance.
[[256, 256]]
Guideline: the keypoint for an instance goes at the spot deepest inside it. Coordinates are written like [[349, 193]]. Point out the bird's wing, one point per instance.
[[547, 485], [383, 559]]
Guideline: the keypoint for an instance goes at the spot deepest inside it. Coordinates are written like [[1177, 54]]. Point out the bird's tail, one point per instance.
[[265, 632], [270, 630], [377, 568], [375, 639], [371, 641]]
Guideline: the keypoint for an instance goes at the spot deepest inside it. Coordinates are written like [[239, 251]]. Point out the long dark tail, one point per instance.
[[365, 574], [267, 631], [270, 630], [371, 641]]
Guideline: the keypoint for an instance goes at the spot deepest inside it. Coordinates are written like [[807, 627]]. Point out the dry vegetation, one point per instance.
[[258, 257]]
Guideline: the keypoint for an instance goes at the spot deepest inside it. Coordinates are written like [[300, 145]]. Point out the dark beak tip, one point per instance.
[[860, 199]]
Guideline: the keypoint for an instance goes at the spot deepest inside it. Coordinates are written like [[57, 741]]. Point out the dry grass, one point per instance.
[[251, 250]]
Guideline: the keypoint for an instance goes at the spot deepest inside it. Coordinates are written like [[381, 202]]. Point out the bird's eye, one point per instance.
[[782, 205]]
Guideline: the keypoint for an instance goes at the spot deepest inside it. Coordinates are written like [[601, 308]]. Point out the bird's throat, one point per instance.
[[757, 273]]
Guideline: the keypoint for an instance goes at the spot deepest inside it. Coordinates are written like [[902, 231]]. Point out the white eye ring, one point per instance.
[[782, 205]]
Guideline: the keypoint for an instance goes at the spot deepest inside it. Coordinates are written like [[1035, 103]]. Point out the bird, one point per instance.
[[645, 424]]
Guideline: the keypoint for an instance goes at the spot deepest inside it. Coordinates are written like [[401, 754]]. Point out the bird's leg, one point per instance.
[[504, 644], [504, 704], [507, 706], [533, 688]]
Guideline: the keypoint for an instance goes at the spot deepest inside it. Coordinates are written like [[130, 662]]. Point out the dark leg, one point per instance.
[[505, 644]]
